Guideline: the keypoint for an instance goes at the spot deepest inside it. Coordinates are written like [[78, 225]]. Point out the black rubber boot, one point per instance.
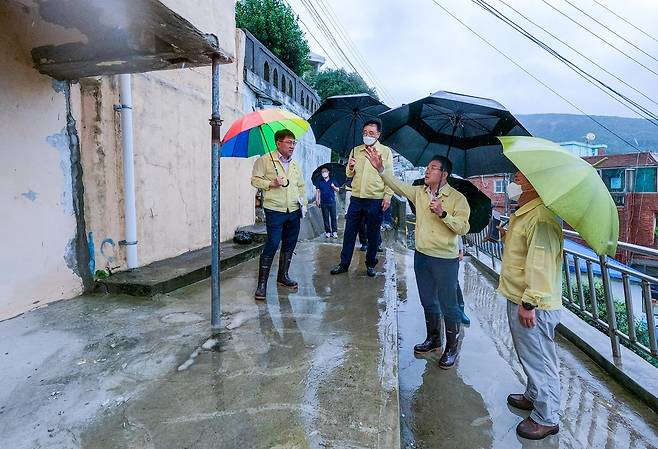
[[433, 340], [284, 264], [263, 273], [451, 352]]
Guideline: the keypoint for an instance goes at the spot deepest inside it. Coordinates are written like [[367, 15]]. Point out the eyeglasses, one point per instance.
[[429, 169], [290, 142]]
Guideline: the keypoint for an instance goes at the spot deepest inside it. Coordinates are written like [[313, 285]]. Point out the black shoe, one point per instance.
[[451, 352], [370, 271], [433, 340], [338, 269], [284, 264], [263, 273], [364, 248]]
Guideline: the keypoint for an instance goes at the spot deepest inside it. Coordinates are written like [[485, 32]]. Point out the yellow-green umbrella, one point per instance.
[[570, 187]]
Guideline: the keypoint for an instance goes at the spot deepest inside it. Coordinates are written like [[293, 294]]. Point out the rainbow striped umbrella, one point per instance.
[[253, 134]]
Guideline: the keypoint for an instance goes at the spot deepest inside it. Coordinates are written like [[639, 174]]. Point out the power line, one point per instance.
[[331, 14], [482, 38], [609, 29], [327, 33], [578, 52], [359, 59], [341, 56], [366, 70], [605, 88], [308, 30], [599, 37], [620, 17], [317, 18]]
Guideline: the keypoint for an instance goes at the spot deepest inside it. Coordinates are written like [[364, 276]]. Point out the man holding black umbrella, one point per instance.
[[441, 218], [370, 197]]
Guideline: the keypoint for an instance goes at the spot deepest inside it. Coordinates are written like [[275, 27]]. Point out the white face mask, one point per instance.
[[514, 191], [325, 175], [369, 140]]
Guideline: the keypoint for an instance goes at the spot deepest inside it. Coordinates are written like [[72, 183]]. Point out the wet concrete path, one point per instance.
[[316, 368], [310, 369], [465, 408]]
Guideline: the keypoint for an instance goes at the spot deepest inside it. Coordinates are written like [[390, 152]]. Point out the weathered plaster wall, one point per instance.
[[172, 156], [38, 227]]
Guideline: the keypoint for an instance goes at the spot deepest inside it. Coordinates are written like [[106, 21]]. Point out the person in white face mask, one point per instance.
[[370, 198], [325, 199], [531, 281]]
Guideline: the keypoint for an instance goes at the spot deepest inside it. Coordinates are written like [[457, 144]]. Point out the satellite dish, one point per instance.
[[590, 137]]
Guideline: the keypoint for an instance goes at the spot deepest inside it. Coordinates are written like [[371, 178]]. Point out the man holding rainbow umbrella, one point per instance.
[[272, 133]]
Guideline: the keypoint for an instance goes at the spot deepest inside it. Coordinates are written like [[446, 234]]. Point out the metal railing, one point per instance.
[[582, 293]]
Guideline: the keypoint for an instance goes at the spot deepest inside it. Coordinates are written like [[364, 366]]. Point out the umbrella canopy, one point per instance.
[[338, 122], [336, 173], [479, 203], [570, 187], [462, 127], [253, 134]]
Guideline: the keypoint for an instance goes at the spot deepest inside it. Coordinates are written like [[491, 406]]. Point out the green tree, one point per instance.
[[330, 82], [274, 24]]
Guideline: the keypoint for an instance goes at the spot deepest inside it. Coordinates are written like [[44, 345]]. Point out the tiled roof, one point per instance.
[[623, 160]]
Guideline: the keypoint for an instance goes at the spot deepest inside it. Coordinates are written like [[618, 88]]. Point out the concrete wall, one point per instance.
[[42, 258], [172, 155], [37, 257]]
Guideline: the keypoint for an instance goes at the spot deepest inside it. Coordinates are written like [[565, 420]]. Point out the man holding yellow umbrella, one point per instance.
[[550, 182]]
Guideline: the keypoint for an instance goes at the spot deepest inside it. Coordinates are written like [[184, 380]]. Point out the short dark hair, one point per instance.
[[282, 134], [374, 121], [446, 164]]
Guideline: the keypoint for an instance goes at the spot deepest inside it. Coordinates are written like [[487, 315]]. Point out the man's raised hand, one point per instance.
[[375, 159]]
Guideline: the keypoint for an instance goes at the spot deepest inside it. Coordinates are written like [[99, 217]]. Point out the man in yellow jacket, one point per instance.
[[441, 218], [531, 280], [284, 195], [370, 198]]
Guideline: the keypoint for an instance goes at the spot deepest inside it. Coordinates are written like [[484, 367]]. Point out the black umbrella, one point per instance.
[[479, 203], [338, 122], [336, 173], [462, 127]]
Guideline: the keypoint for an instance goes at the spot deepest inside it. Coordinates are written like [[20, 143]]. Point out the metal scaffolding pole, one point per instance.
[[215, 123]]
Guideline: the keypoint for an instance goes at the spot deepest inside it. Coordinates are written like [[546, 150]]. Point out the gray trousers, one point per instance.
[[538, 356]]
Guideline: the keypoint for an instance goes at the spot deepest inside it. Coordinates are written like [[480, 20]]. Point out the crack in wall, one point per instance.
[[77, 254]]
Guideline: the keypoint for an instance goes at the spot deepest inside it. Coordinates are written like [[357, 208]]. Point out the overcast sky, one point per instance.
[[414, 48]]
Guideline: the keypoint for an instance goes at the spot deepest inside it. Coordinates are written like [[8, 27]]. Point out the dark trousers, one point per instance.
[[460, 297], [329, 217], [437, 280], [282, 228], [362, 209], [363, 234]]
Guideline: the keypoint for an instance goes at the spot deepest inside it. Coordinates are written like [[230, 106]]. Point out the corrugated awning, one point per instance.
[[119, 36]]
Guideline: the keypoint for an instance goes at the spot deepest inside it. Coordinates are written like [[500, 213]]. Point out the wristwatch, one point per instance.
[[443, 215], [528, 306]]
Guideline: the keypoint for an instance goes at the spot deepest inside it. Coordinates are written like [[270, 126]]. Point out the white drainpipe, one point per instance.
[[126, 110]]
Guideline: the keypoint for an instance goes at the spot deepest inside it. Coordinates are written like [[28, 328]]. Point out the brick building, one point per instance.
[[494, 186], [632, 181]]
